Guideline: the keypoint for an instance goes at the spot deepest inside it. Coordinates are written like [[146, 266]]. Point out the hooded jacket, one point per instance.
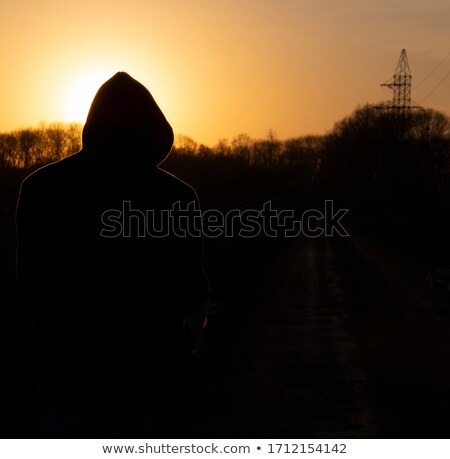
[[124, 114], [105, 301]]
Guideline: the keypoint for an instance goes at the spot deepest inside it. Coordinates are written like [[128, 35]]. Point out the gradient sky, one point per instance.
[[221, 68]]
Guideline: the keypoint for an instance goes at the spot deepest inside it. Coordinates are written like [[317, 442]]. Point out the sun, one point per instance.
[[80, 92]]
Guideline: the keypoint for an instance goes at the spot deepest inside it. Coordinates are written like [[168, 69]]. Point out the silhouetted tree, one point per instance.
[[377, 156], [222, 148], [242, 147], [267, 152], [33, 147], [184, 145], [305, 154]]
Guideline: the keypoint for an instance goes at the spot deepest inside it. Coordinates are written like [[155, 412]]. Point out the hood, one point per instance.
[[125, 119]]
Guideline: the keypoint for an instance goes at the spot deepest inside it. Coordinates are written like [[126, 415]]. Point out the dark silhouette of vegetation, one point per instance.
[[370, 157], [372, 162], [33, 147], [394, 174], [373, 157]]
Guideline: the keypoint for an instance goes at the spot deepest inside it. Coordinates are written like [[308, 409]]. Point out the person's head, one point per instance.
[[125, 122]]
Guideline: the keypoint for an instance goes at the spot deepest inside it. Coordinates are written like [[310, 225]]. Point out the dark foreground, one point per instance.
[[317, 338], [349, 343]]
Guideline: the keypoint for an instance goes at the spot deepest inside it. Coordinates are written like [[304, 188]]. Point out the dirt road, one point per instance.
[[331, 338], [349, 344]]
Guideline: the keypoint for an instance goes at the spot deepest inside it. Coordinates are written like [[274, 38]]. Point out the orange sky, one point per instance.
[[221, 68]]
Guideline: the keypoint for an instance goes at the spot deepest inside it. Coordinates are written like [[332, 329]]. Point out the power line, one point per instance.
[[434, 49], [436, 87], [433, 71]]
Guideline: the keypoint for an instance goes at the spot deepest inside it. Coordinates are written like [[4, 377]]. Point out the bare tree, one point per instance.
[[241, 146], [185, 145]]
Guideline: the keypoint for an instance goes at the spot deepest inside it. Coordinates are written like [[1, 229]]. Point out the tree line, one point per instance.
[[377, 156], [370, 156], [33, 147]]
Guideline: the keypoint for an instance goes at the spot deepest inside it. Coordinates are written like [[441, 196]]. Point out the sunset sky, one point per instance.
[[219, 68]]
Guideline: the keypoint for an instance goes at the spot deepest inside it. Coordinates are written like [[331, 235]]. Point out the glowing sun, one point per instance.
[[80, 93]]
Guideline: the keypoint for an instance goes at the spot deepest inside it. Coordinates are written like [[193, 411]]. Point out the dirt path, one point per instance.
[[349, 345], [403, 331], [308, 379]]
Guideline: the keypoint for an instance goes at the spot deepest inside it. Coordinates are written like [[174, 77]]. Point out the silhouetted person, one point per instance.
[[109, 298]]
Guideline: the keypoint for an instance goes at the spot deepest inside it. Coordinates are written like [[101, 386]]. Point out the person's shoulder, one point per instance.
[[176, 184], [49, 183], [53, 172]]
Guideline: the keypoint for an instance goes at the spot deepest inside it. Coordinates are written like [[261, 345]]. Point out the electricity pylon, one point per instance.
[[400, 83]]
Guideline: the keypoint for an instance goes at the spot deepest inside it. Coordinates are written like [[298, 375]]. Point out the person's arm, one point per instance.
[[24, 237], [197, 287], [32, 257]]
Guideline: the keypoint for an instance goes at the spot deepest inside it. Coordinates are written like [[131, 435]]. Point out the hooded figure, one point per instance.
[[111, 271]]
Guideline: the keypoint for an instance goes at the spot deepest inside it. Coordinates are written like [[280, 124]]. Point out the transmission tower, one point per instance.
[[400, 83]]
